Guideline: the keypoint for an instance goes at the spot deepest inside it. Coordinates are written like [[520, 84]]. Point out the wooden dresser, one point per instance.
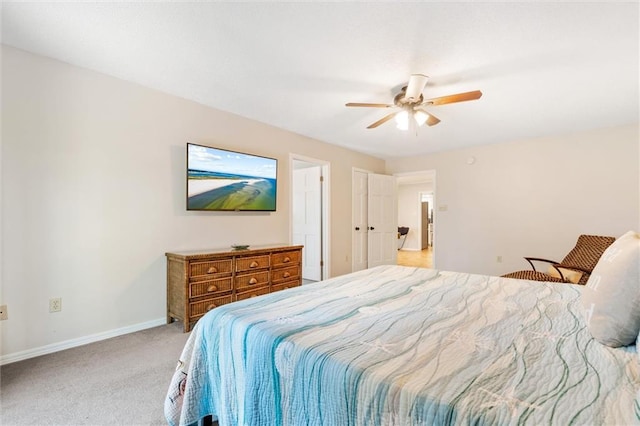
[[198, 281]]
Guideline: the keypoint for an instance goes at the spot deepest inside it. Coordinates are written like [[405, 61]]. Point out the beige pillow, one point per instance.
[[611, 298], [569, 274]]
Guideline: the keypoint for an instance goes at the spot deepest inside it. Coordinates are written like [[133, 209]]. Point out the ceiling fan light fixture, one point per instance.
[[421, 117], [402, 120]]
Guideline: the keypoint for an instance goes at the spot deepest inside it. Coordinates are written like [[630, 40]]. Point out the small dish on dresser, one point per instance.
[[240, 246]]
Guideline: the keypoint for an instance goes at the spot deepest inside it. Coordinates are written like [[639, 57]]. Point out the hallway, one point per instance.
[[423, 259]]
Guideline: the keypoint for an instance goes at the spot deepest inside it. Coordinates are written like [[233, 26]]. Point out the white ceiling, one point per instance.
[[544, 68]]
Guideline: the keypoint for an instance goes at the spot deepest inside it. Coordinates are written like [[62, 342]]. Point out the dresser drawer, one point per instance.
[[203, 288], [282, 274], [285, 285], [252, 262], [212, 268], [252, 280], [285, 258], [201, 307], [252, 293]]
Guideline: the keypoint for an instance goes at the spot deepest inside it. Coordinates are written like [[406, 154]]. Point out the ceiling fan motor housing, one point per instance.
[[402, 100]]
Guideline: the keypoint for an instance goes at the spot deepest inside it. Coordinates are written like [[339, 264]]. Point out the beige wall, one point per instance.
[[531, 197], [93, 195]]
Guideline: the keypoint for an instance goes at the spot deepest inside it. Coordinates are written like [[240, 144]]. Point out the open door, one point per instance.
[[307, 226], [309, 214], [383, 220]]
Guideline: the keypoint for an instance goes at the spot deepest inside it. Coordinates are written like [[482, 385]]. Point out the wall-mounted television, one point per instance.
[[218, 179]]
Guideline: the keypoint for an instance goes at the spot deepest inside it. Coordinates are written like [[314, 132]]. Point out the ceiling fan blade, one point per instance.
[[415, 86], [460, 97], [432, 120], [357, 104], [382, 120]]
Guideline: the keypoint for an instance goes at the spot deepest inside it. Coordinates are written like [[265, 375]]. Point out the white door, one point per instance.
[[359, 232], [382, 220], [307, 208]]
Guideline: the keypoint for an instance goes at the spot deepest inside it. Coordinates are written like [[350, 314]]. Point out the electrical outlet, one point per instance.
[[55, 304], [3, 313], [499, 259]]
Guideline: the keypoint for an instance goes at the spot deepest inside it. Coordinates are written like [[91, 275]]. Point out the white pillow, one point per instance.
[[611, 297]]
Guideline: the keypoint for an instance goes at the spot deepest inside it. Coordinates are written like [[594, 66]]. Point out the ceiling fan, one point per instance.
[[410, 102]]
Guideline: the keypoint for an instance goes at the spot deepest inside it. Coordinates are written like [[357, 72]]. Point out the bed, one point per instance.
[[396, 345]]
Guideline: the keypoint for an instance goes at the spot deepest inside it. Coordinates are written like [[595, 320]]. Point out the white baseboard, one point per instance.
[[68, 344]]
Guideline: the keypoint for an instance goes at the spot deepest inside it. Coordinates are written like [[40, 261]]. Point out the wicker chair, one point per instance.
[[582, 258]]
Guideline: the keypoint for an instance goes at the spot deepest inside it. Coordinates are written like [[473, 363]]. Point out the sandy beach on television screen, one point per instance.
[[198, 186]]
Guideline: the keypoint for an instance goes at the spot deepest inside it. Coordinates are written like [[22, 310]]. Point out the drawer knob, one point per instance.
[[253, 280], [286, 287], [212, 288], [211, 306], [212, 270], [254, 264], [286, 275], [253, 295], [287, 259]]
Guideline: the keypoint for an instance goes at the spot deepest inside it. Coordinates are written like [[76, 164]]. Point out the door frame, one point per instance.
[[325, 217]]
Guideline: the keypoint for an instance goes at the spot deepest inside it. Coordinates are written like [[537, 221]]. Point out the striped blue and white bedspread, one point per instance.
[[395, 345]]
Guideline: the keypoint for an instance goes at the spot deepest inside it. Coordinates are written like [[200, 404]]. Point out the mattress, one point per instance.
[[396, 345]]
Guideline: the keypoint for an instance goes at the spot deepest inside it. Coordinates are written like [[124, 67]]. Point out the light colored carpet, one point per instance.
[[119, 381]]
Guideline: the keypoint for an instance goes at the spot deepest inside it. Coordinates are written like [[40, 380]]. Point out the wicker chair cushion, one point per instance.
[[612, 296], [533, 276]]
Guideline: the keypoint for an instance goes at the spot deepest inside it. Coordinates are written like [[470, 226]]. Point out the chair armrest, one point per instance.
[[539, 259]]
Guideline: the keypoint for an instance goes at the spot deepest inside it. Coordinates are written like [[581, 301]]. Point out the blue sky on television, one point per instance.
[[221, 161]]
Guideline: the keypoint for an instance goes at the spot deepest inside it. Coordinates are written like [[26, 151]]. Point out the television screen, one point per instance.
[[218, 179]]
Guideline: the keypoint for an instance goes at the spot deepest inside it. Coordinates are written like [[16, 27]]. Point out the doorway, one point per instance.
[[309, 214], [416, 207]]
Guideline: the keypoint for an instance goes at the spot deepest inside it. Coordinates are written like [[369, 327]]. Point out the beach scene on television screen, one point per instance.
[[225, 180]]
